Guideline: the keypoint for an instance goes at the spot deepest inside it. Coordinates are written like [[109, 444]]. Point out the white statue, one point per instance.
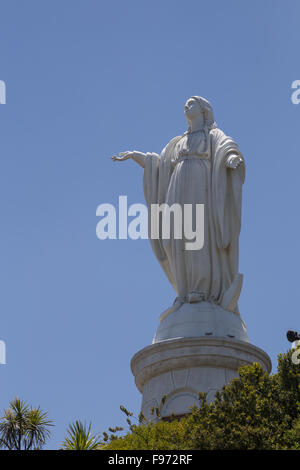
[[202, 166]]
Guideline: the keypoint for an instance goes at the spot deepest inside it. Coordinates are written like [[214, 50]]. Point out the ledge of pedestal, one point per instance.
[[180, 368], [181, 353]]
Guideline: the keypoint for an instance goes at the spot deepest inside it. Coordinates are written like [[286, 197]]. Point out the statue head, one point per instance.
[[195, 107]]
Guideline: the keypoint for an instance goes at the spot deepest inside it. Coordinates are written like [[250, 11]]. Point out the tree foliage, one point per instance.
[[80, 437], [23, 427], [255, 411]]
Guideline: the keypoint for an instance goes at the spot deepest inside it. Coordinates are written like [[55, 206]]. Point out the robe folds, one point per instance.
[[201, 177]]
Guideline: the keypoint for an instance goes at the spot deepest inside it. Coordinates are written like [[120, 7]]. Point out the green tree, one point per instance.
[[255, 411], [292, 436], [23, 427], [80, 437]]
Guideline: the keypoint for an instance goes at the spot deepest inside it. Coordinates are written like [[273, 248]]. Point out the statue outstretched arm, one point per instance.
[[138, 157]]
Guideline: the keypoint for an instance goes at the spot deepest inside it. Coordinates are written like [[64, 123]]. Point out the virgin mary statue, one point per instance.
[[202, 166]]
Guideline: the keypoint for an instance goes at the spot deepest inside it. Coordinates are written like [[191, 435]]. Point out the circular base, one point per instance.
[[201, 319], [181, 368]]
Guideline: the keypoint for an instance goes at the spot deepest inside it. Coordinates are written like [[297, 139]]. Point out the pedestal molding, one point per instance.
[[182, 353]]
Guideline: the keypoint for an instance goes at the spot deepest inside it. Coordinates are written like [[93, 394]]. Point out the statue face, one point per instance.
[[192, 109]]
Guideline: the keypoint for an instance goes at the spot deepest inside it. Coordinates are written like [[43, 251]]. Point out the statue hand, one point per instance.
[[234, 161], [122, 156]]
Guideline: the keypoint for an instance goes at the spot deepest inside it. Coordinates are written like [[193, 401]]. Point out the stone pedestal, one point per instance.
[[197, 348]]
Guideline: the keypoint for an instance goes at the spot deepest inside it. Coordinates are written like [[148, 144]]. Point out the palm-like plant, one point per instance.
[[23, 427], [80, 437]]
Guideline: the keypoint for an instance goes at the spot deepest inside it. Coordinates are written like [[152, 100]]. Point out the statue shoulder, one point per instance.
[[170, 145], [219, 137], [175, 139], [216, 133]]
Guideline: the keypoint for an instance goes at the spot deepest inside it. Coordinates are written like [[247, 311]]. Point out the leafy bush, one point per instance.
[[255, 411]]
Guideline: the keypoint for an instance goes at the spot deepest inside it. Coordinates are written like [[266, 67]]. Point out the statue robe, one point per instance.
[[210, 273]]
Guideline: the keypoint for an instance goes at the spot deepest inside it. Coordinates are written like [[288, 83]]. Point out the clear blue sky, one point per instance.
[[87, 79]]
